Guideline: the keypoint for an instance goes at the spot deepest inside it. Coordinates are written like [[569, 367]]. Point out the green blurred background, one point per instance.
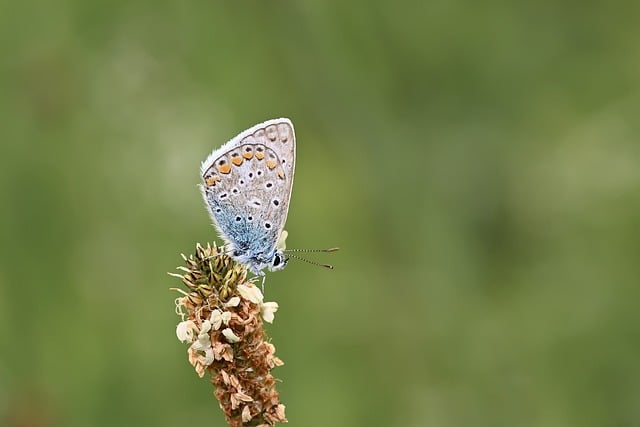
[[477, 162]]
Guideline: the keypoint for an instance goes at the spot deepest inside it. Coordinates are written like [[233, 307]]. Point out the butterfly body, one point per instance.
[[246, 185]]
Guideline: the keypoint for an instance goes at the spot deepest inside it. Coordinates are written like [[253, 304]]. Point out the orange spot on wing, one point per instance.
[[259, 155], [248, 155], [211, 181], [271, 164], [226, 168], [237, 160], [280, 173]]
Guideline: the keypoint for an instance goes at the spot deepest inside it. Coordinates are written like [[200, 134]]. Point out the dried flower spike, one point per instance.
[[222, 321]]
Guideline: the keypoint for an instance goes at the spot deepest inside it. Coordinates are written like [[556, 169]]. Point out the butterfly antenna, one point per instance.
[[312, 250], [329, 266]]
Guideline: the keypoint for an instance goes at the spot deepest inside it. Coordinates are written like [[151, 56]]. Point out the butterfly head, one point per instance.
[[278, 261], [274, 261]]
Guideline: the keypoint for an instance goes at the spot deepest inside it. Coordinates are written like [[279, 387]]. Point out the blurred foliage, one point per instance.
[[476, 161]]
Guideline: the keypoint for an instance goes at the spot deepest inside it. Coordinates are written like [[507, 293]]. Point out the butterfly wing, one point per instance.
[[247, 187]]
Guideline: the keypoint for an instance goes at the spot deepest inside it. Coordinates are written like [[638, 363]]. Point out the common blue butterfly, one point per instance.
[[246, 185]]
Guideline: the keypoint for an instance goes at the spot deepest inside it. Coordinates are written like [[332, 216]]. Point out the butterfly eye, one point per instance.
[[279, 261]]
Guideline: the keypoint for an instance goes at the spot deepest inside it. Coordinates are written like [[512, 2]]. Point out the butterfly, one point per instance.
[[246, 185]]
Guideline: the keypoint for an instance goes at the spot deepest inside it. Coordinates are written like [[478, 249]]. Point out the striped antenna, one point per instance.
[[329, 266]]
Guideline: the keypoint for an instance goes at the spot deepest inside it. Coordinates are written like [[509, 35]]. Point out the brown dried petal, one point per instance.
[[225, 376], [222, 351], [233, 381], [246, 414], [238, 398]]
